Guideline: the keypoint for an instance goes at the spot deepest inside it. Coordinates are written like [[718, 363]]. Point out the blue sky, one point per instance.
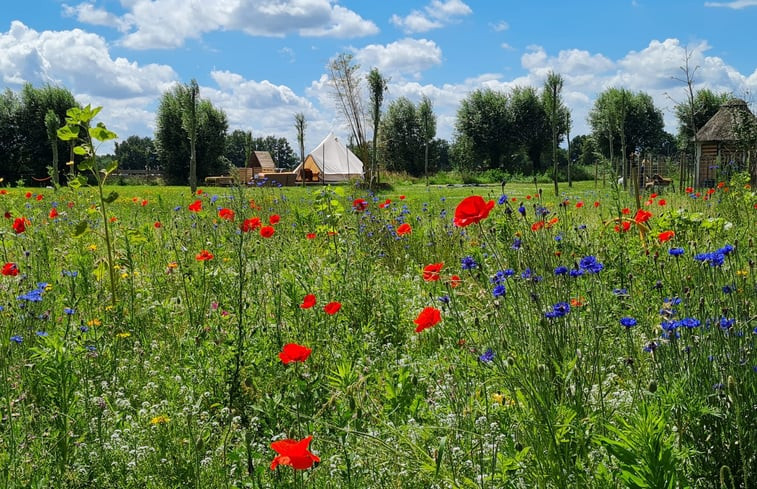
[[262, 61]]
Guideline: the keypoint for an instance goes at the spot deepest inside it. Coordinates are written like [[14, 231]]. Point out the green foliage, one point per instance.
[[706, 104], [172, 138], [136, 153]]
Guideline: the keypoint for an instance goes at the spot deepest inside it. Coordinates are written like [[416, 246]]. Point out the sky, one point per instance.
[[263, 61]]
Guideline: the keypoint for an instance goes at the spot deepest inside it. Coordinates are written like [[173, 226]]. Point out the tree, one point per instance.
[[239, 145], [35, 147], [483, 119], [377, 85], [620, 117], [188, 100], [530, 126], [52, 123], [299, 126], [136, 153], [427, 123], [346, 85], [693, 114], [401, 137], [281, 152], [555, 109], [172, 139]]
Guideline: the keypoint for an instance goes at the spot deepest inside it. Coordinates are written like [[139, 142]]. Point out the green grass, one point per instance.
[[180, 383]]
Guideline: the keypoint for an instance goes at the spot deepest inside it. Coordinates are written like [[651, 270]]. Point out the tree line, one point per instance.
[[518, 131]]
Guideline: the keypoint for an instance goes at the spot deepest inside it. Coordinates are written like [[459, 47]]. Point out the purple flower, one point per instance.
[[487, 356], [628, 322]]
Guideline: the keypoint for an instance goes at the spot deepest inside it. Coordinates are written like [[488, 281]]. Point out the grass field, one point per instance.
[[327, 337]]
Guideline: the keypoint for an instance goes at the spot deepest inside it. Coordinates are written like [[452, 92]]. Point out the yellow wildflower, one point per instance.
[[161, 419], [123, 335]]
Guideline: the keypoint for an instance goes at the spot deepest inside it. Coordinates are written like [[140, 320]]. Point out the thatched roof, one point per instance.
[[723, 125], [263, 160]]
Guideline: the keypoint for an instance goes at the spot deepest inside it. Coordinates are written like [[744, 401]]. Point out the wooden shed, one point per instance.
[[261, 162], [720, 143]]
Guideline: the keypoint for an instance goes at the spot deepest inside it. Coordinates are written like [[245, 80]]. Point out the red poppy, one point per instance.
[[226, 214], [404, 229], [642, 216], [40, 196], [666, 236], [8, 215], [689, 190], [454, 281], [293, 453], [431, 272], [3, 192], [471, 210], [157, 224], [332, 308], [274, 219], [310, 236], [195, 206], [253, 205], [53, 213], [577, 301], [308, 301], [292, 352], [267, 231], [204, 255], [113, 219], [579, 205], [28, 195], [19, 225], [537, 225], [402, 197], [360, 204], [661, 202], [429, 316], [199, 191], [143, 203], [624, 226], [10, 269], [596, 203], [625, 211], [71, 205], [528, 197], [653, 196], [250, 224]]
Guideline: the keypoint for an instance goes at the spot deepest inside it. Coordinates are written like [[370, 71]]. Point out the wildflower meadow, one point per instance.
[[330, 337]]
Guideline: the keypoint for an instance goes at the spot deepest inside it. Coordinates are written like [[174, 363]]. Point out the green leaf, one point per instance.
[[135, 237], [80, 229], [80, 150], [101, 133], [85, 165], [111, 167], [111, 197], [77, 182], [67, 133]]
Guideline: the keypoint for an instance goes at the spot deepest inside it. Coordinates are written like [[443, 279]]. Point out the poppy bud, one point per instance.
[[510, 361], [652, 386]]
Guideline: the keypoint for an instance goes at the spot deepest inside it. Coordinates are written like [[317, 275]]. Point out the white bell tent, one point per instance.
[[330, 162]]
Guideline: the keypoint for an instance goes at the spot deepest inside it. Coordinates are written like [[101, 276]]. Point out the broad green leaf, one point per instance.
[[67, 133], [111, 197], [101, 133], [77, 182], [85, 165], [100, 271], [80, 229], [135, 237], [111, 167], [80, 150]]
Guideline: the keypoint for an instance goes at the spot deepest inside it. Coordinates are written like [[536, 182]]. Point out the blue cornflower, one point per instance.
[[487, 356], [670, 325], [541, 211], [576, 272], [726, 250], [718, 387], [91, 348], [522, 210], [32, 296], [516, 244], [526, 274], [18, 339], [499, 290], [727, 289], [42, 333], [620, 292], [651, 347], [444, 299], [590, 264], [83, 328], [177, 208], [726, 323], [628, 322], [469, 263], [70, 273], [690, 322], [561, 270], [673, 301], [502, 199], [675, 252], [558, 310]]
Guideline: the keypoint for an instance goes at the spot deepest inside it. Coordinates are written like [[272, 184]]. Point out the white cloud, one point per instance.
[[737, 5], [499, 26], [406, 57], [165, 24], [87, 13], [436, 14]]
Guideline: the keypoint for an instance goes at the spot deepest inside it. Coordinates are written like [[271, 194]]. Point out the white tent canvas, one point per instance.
[[330, 162]]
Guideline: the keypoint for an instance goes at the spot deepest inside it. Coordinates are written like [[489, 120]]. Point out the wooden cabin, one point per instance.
[[720, 142], [261, 162]]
